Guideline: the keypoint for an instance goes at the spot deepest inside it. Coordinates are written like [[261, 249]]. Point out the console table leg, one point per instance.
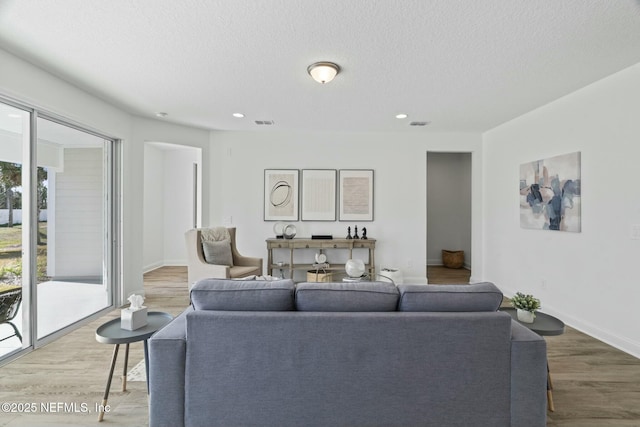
[[106, 390]]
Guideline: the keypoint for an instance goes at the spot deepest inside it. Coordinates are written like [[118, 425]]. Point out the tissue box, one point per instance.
[[132, 319]]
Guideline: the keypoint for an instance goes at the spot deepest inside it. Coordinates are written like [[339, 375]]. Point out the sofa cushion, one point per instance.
[[218, 253], [475, 297], [243, 295], [351, 296]]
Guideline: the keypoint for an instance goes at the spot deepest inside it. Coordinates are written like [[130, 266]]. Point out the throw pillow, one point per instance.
[[218, 253]]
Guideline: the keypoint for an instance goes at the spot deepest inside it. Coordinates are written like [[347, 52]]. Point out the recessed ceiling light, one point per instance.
[[419, 123], [238, 115], [401, 116], [161, 114]]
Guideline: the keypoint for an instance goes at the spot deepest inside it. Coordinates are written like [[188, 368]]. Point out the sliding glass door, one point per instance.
[[14, 294], [63, 206]]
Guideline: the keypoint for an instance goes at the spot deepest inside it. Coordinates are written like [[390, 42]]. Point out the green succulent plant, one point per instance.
[[525, 302]]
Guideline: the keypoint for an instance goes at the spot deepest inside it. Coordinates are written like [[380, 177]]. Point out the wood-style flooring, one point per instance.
[[595, 384]]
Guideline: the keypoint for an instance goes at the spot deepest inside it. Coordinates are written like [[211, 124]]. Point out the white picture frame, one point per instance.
[[281, 194], [356, 195], [318, 195]]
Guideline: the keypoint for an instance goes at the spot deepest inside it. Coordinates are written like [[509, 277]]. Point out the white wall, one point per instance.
[[153, 224], [168, 202], [79, 223], [178, 202], [584, 278], [238, 160], [448, 205]]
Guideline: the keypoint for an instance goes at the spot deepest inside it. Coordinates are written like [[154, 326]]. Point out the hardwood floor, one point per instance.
[[594, 384], [442, 275]]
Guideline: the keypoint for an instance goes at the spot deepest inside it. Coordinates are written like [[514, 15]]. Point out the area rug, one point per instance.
[[137, 373]]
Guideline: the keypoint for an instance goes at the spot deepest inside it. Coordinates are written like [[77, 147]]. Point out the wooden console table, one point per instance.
[[322, 244]]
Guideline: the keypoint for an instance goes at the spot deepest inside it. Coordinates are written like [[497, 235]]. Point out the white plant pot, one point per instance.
[[526, 316]]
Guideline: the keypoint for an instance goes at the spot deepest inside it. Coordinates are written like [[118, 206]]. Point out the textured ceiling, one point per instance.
[[463, 65]]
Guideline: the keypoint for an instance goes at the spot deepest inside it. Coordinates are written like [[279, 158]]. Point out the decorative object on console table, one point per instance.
[[321, 236], [318, 195], [278, 229], [356, 195], [280, 194], [526, 306], [364, 233], [355, 268], [289, 231], [355, 232], [349, 233]]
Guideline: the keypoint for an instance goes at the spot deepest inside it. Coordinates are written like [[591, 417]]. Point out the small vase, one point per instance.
[[526, 316]]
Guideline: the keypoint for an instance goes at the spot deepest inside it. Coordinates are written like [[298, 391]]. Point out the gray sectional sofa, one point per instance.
[[256, 353]]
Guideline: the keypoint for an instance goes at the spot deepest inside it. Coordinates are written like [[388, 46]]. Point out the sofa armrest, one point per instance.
[[167, 356], [528, 377]]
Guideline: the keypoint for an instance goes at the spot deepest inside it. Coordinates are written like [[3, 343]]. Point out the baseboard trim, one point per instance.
[[151, 267], [158, 265]]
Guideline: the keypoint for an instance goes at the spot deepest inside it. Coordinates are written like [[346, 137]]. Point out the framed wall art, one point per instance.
[[280, 194], [550, 193], [318, 195], [356, 195]]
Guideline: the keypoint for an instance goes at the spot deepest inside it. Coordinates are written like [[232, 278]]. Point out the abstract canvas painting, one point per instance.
[[550, 193], [281, 195]]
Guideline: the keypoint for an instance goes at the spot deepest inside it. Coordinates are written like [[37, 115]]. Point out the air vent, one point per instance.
[[419, 123], [264, 122]]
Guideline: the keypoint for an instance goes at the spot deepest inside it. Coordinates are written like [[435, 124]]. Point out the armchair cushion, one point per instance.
[[218, 253]]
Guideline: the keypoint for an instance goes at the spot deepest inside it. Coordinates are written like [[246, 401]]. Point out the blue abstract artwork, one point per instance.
[[550, 193]]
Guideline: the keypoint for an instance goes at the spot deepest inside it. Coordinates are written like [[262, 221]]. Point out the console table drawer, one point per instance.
[[336, 245], [364, 244], [302, 245], [277, 245]]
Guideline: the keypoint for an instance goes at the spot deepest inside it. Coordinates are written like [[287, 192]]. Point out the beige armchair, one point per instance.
[[198, 268]]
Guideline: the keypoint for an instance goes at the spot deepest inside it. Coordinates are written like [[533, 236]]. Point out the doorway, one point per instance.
[[172, 202], [449, 211]]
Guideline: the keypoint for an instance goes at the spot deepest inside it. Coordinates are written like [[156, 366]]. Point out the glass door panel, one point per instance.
[[14, 312], [72, 203]]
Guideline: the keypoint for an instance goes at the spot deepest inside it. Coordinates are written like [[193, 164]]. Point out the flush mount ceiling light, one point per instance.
[[161, 114], [323, 72]]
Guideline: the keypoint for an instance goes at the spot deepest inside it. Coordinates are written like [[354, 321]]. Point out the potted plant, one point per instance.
[[526, 306]]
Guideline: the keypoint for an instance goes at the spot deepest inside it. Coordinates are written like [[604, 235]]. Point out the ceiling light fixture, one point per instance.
[[323, 72], [401, 116], [238, 115], [161, 114]]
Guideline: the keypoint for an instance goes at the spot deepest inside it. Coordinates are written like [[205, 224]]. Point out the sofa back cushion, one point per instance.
[[439, 298], [243, 295], [348, 296]]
